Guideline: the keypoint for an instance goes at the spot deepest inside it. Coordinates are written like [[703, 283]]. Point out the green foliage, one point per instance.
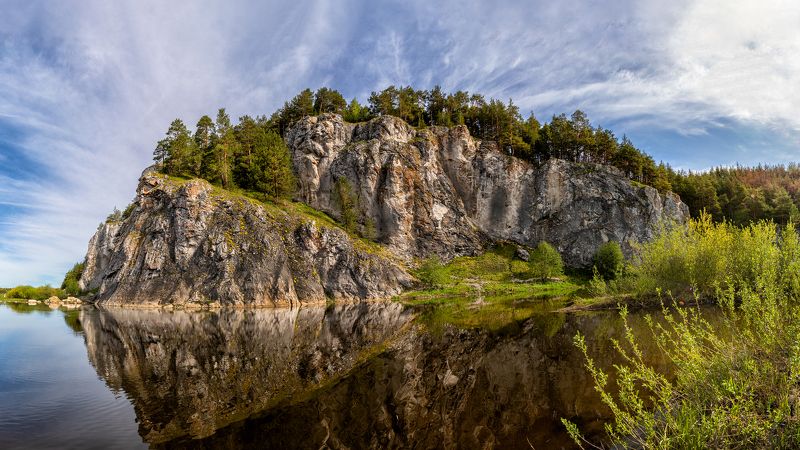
[[485, 291], [520, 269], [271, 169], [177, 152], [736, 381], [250, 155], [369, 229], [597, 285], [355, 112], [431, 272], [33, 293], [128, 210], [741, 195], [705, 256], [70, 283], [545, 262], [346, 200], [609, 260], [329, 101], [115, 216]]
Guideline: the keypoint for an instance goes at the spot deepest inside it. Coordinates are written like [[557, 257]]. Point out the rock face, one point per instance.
[[186, 242], [438, 191]]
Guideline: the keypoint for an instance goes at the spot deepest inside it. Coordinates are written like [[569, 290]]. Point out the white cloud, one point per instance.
[[92, 85]]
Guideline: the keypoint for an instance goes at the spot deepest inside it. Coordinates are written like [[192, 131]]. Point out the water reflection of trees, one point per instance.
[[456, 389], [190, 373]]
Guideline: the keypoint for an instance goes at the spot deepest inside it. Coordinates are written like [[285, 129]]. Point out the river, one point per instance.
[[343, 376]]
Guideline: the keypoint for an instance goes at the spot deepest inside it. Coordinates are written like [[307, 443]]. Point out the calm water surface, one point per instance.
[[349, 376]]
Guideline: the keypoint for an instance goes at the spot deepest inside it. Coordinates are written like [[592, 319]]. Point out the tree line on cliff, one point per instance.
[[252, 154]]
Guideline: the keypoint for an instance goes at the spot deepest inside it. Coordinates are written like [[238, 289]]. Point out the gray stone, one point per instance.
[[522, 254], [438, 191], [187, 243]]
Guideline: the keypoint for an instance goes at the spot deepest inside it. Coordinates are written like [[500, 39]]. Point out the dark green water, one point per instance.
[[350, 376]]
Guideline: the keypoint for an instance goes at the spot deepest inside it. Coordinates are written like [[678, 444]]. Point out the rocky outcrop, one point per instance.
[[189, 243], [438, 191]]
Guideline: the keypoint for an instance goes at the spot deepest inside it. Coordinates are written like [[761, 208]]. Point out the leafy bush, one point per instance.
[[70, 283], [736, 384], [520, 269], [34, 293], [609, 260], [597, 285], [115, 216], [432, 272], [545, 262], [699, 259], [128, 210]]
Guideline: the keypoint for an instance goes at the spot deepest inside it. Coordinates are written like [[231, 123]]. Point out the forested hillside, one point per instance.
[[742, 194], [252, 155]]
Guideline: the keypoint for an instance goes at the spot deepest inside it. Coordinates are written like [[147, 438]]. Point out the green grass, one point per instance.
[[483, 292], [283, 207], [33, 293]]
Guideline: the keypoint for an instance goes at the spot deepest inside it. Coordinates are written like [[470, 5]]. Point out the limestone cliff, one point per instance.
[[434, 191], [187, 242], [438, 191]]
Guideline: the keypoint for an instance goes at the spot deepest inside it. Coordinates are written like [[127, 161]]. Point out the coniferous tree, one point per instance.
[[272, 166], [177, 151], [355, 112], [329, 101], [204, 140], [226, 146]]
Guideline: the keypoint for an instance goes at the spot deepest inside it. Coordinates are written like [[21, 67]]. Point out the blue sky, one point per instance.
[[87, 88]]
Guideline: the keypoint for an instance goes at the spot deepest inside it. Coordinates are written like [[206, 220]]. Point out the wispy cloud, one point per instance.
[[87, 87]]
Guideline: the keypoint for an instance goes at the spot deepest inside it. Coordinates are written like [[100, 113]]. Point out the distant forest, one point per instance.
[[252, 154]]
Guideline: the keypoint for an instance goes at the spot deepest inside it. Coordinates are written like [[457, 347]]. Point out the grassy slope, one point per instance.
[[297, 210], [482, 291]]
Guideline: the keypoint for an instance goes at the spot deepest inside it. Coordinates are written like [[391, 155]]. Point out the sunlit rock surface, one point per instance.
[[189, 242], [439, 191]]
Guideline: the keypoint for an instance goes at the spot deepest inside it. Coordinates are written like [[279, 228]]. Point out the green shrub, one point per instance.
[[70, 283], [703, 257], [432, 272], [609, 260], [597, 285], [128, 210], [520, 269], [736, 381], [34, 293], [115, 216], [545, 262]]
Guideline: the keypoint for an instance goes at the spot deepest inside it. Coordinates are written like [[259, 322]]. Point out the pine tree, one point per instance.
[[226, 146], [272, 166], [177, 151], [329, 101], [204, 139]]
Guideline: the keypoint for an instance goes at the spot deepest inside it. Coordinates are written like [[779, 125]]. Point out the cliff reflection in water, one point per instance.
[[190, 373], [252, 379]]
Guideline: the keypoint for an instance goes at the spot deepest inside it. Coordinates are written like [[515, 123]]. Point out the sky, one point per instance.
[[87, 87]]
